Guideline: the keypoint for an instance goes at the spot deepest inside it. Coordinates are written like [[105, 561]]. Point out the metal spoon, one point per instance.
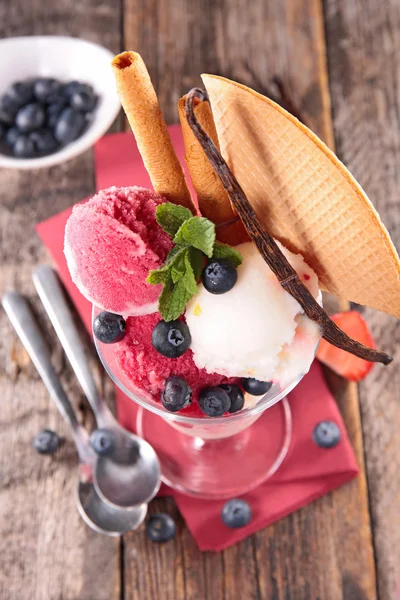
[[131, 474], [98, 514]]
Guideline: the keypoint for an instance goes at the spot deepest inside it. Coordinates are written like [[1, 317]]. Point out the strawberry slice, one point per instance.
[[343, 363]]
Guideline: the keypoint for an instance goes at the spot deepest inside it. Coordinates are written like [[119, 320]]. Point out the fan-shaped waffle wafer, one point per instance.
[[305, 196]]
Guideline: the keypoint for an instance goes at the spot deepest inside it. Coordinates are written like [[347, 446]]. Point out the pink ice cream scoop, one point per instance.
[[112, 241], [147, 370]]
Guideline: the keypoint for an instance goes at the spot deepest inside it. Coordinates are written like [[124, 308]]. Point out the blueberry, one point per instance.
[[171, 339], [45, 87], [54, 109], [102, 441], [9, 104], [219, 276], [46, 442], [176, 394], [19, 93], [7, 116], [30, 117], [69, 125], [57, 97], [83, 101], [214, 401], [236, 396], [70, 88], [236, 513], [256, 387], [109, 328], [73, 87], [160, 528], [326, 434], [11, 136], [23, 147], [44, 141]]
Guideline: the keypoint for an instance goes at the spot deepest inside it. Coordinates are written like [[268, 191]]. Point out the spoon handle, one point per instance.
[[22, 318], [52, 295]]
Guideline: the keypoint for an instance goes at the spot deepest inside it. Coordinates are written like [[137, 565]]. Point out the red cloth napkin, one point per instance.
[[306, 473]]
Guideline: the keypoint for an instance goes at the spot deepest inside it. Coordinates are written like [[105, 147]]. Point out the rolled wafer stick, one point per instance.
[[213, 200], [141, 106]]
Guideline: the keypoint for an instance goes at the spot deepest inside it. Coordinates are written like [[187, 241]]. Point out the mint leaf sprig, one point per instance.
[[194, 239]]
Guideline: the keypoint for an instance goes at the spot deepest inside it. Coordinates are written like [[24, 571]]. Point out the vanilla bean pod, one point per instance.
[[269, 249]]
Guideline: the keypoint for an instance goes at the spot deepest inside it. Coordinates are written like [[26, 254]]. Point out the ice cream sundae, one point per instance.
[[209, 302]]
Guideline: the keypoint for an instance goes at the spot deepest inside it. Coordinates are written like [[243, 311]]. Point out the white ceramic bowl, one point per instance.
[[64, 58]]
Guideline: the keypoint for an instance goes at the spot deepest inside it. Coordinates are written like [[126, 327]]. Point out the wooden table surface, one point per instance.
[[339, 59]]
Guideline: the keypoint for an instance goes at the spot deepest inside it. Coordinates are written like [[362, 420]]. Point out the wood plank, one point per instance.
[[324, 550], [364, 52], [48, 553], [158, 569]]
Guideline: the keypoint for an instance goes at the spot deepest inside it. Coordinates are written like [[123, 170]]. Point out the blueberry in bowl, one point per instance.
[[49, 70], [40, 116]]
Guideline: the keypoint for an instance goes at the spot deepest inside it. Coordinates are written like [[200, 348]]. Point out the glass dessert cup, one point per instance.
[[208, 457]]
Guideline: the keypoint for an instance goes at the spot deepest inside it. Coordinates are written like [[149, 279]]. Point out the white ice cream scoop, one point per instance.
[[257, 328]]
